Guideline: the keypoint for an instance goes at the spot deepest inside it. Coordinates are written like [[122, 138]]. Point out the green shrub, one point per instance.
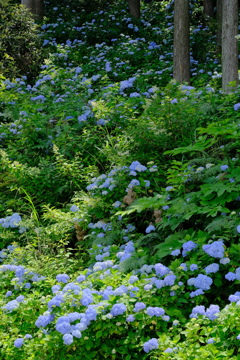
[[20, 52]]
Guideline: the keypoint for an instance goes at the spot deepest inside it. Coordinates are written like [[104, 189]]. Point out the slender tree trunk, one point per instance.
[[181, 52], [219, 26], [134, 8], [229, 45], [35, 7], [208, 7]]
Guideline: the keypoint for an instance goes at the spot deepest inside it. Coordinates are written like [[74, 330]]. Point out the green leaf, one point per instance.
[[98, 334]]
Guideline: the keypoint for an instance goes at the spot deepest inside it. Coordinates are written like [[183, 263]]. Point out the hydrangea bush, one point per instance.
[[120, 251]]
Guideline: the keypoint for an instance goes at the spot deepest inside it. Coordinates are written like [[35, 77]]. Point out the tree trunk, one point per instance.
[[134, 8], [208, 7], [229, 45], [35, 7], [219, 26], [181, 52]]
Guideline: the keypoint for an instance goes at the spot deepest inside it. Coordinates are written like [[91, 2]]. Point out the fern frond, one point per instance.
[[133, 263]]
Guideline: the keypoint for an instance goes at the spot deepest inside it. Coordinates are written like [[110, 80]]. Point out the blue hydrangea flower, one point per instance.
[[165, 207], [44, 320], [118, 309], [133, 183], [130, 318], [183, 266], [150, 345], [230, 276], [175, 252], [62, 278], [198, 310], [155, 311], [150, 228], [212, 312], [134, 94], [212, 268], [187, 247], [87, 299], [63, 327], [139, 306], [169, 280], [196, 293], [77, 334], [20, 298], [215, 249], [224, 167], [159, 284], [18, 342], [236, 106], [11, 305], [193, 267], [56, 288], [203, 282], [117, 204], [148, 287], [175, 322], [55, 301], [234, 298], [91, 313], [224, 261], [161, 269], [74, 208], [133, 279], [237, 272], [67, 339], [81, 278], [211, 341]]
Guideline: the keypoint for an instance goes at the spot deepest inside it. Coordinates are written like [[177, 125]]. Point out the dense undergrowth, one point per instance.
[[119, 229]]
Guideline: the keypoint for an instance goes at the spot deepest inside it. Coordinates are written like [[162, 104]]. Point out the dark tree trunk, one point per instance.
[[181, 53], [35, 7], [208, 7], [134, 8], [229, 45], [219, 26]]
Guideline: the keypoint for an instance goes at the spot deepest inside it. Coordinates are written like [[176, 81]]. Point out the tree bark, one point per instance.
[[134, 8], [208, 7], [219, 26], [181, 52], [35, 7], [229, 45]]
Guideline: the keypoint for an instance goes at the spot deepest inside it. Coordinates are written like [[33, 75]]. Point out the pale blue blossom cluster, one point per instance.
[[106, 183], [11, 221], [211, 313], [231, 276], [150, 345], [215, 249]]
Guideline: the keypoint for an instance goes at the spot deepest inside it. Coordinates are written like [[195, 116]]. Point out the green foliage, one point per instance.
[[115, 171], [191, 341], [19, 42]]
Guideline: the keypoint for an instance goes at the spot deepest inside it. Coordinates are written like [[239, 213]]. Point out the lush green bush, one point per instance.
[[19, 42]]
